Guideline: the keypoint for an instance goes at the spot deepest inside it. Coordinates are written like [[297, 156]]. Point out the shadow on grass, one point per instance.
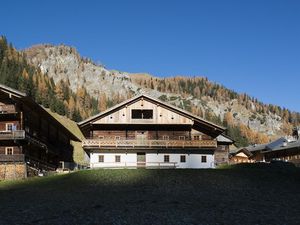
[[242, 195]]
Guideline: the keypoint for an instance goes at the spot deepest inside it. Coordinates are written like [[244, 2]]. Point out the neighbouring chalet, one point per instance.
[[30, 138], [284, 149], [146, 132], [241, 155]]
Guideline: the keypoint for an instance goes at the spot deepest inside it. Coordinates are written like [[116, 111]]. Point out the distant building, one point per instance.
[[146, 132], [30, 138], [241, 155], [285, 149]]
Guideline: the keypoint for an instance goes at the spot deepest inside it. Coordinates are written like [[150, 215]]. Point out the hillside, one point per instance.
[[58, 78], [256, 121], [237, 196]]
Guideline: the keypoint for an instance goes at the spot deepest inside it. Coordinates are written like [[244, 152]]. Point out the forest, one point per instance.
[[17, 73]]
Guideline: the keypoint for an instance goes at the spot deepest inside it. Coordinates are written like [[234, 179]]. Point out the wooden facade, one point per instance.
[[29, 134], [146, 125]]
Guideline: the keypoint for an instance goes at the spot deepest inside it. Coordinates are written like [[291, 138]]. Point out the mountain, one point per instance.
[[77, 87]]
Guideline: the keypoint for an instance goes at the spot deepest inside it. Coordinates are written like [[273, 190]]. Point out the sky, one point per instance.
[[250, 46]]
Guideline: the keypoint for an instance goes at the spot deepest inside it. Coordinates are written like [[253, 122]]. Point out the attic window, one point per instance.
[[142, 114]]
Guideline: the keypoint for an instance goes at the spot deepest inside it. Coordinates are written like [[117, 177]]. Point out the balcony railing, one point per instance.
[[100, 143], [12, 158], [4, 109], [12, 135]]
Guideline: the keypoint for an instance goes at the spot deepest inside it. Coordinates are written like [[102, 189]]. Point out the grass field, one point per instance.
[[220, 196]]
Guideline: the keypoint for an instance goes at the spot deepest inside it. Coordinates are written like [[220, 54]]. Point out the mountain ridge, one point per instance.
[[64, 62], [59, 78]]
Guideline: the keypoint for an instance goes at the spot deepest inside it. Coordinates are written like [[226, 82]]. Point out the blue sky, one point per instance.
[[247, 45]]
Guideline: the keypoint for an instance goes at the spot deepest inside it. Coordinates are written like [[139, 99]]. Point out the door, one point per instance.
[[141, 137], [141, 159]]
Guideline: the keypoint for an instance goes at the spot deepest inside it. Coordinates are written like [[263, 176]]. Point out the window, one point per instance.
[[117, 137], [101, 137], [142, 114], [101, 158], [9, 126], [182, 138], [118, 158], [196, 137], [165, 137], [166, 158], [182, 158], [203, 159], [9, 150]]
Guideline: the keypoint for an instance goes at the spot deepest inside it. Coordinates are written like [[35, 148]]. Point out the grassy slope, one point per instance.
[[78, 154], [228, 196]]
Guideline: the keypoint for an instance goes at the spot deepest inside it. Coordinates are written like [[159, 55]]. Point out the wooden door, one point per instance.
[[141, 137], [141, 159]]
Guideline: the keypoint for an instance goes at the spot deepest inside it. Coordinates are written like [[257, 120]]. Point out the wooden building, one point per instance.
[[145, 132], [30, 138], [283, 149], [240, 156]]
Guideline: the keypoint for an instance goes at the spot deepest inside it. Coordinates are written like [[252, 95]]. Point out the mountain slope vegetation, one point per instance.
[[60, 79]]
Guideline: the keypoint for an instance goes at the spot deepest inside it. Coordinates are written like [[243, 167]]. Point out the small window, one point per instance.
[[9, 126], [9, 150], [182, 159], [166, 158], [182, 138], [101, 158], [117, 158], [196, 137], [165, 137], [203, 159], [117, 137], [142, 114], [101, 137]]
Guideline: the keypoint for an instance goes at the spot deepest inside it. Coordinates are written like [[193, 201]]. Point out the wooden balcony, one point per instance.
[[7, 109], [12, 158], [12, 135], [102, 143]]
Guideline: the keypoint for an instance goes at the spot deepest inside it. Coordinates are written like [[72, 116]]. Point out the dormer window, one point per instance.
[[142, 114]]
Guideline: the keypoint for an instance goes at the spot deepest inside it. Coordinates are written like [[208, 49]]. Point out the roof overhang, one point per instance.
[[199, 123]]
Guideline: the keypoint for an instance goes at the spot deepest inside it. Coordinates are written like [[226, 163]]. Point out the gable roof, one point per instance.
[[198, 122], [21, 96], [237, 151], [12, 91], [223, 138]]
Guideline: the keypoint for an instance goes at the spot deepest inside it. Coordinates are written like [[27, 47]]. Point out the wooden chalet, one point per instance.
[[30, 138], [283, 149], [146, 132], [241, 155]]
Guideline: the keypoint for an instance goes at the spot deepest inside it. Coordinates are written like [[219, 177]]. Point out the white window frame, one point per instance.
[[9, 124], [116, 158], [182, 138], [99, 158], [184, 158], [166, 156], [9, 148], [166, 137]]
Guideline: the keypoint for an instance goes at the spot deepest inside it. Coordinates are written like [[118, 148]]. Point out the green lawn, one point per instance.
[[220, 196]]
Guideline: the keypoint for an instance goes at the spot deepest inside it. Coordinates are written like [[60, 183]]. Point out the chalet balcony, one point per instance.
[[102, 143], [12, 135], [7, 109], [12, 158]]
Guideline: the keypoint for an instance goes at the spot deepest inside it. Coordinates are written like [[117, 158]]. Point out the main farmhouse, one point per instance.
[[30, 138], [146, 132]]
